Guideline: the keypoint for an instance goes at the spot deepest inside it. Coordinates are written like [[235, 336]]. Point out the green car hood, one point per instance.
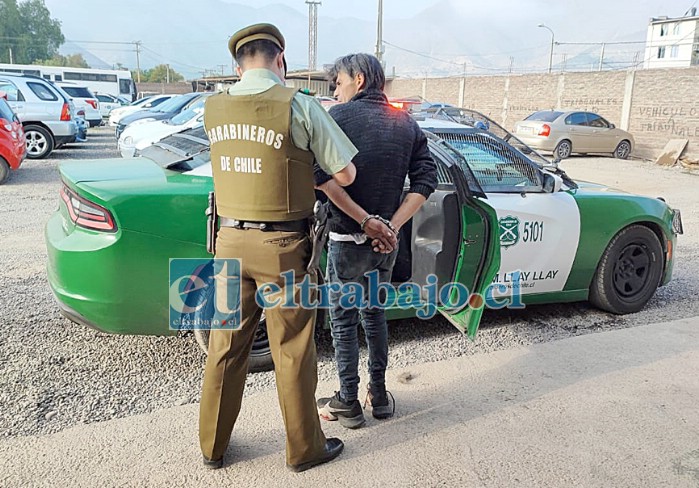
[[587, 187]]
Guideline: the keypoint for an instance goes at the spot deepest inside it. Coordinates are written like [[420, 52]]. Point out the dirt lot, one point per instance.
[[55, 374]]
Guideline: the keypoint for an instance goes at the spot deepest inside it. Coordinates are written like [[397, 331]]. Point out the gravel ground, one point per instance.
[[55, 374]]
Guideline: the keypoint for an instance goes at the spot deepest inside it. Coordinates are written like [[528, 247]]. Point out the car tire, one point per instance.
[[40, 142], [563, 149], [260, 354], [629, 272], [4, 170], [623, 150]]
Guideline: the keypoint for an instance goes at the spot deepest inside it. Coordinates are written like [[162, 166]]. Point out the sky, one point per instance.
[[422, 37], [400, 9], [361, 9]]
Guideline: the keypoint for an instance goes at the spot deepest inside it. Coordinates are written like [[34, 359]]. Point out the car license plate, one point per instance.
[[526, 130]]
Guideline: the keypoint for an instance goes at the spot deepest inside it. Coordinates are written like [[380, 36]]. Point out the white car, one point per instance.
[[84, 100], [143, 104], [108, 103], [141, 134]]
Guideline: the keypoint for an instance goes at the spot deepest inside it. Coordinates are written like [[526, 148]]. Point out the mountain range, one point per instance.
[[447, 38]]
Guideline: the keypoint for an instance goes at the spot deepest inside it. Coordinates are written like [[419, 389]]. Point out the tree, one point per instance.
[[28, 32], [159, 74], [72, 60]]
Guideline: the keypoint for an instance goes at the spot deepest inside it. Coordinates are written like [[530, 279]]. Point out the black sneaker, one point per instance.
[[381, 407], [349, 414]]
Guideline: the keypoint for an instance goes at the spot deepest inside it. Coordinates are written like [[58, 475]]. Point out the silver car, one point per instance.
[[565, 133], [45, 110]]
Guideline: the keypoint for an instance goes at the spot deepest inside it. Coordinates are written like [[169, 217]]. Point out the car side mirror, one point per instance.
[[3, 95], [552, 183], [612, 126]]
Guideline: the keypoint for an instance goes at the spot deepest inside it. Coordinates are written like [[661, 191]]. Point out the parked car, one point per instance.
[[146, 103], [165, 111], [84, 100], [45, 110], [82, 126], [566, 133], [496, 217], [141, 134], [13, 147], [109, 103]]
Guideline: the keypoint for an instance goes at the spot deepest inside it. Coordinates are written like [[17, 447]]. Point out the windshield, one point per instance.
[[545, 116], [6, 112], [186, 115], [175, 104], [182, 151], [140, 102]]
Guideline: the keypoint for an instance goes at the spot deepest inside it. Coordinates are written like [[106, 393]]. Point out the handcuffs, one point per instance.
[[380, 219]]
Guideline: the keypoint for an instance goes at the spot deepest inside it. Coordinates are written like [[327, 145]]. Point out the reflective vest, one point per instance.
[[259, 175]]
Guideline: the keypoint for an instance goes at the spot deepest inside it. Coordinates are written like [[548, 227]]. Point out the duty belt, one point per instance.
[[291, 226]]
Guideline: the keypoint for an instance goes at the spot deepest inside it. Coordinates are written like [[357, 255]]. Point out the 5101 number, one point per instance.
[[533, 232]]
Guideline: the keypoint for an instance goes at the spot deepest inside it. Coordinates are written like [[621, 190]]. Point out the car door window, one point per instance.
[[42, 92], [594, 120], [13, 94], [577, 118], [497, 167]]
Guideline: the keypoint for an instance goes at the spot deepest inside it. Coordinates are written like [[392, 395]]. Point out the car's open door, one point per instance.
[[469, 245]]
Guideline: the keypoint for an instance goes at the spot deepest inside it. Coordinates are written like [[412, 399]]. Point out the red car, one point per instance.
[[13, 147]]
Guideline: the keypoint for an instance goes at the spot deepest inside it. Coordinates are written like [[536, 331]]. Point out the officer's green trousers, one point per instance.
[[264, 255]]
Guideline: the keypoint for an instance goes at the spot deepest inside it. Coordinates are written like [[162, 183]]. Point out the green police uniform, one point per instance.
[[264, 138]]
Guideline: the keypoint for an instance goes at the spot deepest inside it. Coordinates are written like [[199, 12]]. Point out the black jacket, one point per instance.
[[391, 146]]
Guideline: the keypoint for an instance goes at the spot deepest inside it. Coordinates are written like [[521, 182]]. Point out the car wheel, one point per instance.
[[39, 141], [629, 272], [563, 149], [4, 170], [623, 150], [260, 354]]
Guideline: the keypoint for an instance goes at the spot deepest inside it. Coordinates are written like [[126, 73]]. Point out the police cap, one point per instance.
[[253, 33]]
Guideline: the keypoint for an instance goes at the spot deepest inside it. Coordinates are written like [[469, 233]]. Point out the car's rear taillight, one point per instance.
[[65, 113], [545, 130], [86, 213], [92, 103]]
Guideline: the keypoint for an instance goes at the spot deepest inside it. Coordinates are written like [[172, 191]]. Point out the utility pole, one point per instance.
[[312, 34], [167, 73], [11, 62], [379, 34], [552, 43], [138, 61], [601, 58], [512, 63], [222, 66], [565, 60]]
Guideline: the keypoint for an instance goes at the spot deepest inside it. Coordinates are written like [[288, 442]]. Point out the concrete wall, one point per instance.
[[654, 105], [145, 89]]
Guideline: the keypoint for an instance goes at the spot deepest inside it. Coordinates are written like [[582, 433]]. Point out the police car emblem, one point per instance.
[[509, 231]]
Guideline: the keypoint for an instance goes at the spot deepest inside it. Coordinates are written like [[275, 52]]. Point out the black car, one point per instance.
[[164, 111]]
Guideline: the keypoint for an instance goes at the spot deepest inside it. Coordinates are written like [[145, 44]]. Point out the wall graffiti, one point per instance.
[[669, 120]]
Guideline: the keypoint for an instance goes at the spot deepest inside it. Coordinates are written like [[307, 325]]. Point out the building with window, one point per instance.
[[673, 43]]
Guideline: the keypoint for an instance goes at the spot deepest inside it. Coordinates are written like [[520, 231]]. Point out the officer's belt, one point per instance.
[[291, 226]]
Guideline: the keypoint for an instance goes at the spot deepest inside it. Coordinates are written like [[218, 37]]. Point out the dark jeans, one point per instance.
[[347, 263]]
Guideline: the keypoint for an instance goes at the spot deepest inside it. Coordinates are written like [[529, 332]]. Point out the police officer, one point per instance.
[[264, 138]]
